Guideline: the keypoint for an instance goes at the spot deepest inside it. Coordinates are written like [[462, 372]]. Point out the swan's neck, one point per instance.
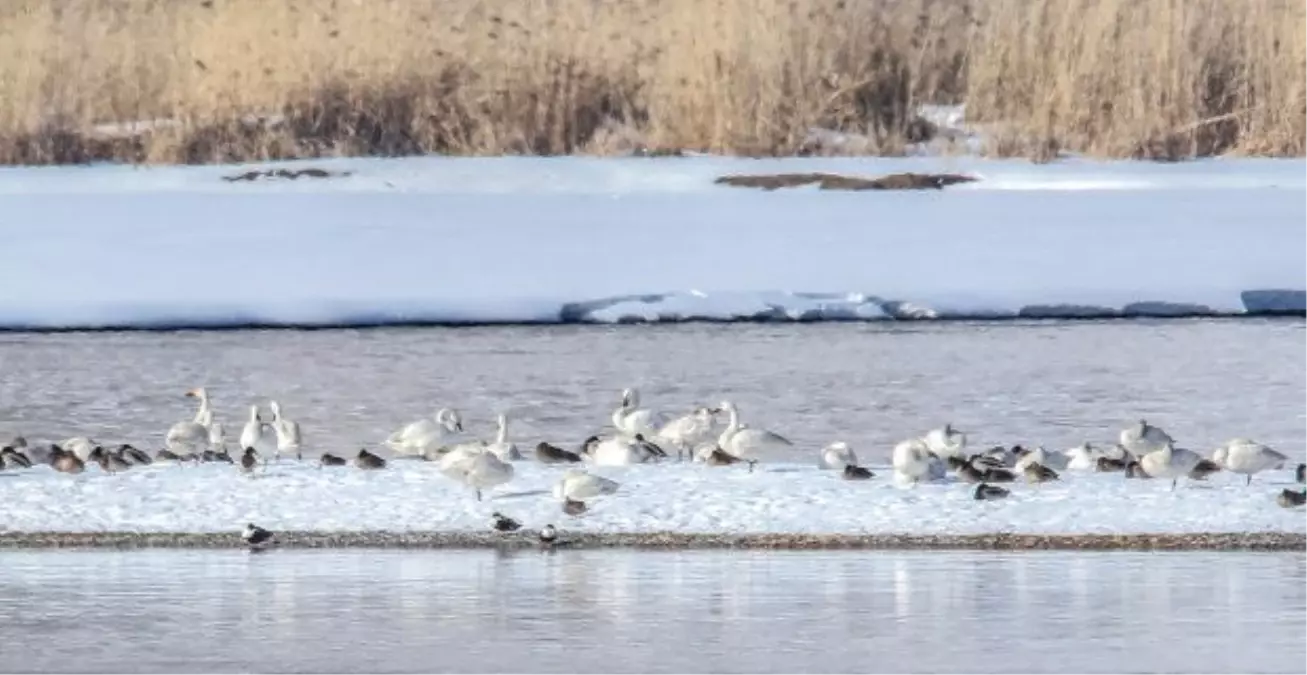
[[204, 410], [734, 424], [502, 436]]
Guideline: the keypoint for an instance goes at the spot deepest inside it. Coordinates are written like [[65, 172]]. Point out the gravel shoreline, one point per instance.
[[1260, 541]]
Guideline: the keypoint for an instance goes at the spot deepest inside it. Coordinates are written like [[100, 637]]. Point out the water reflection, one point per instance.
[[586, 611]]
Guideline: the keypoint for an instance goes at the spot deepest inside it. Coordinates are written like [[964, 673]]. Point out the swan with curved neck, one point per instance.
[[287, 432], [503, 449], [630, 419], [425, 437], [189, 437], [746, 442]]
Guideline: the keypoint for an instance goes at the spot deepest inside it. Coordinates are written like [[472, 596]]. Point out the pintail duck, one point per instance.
[[367, 460], [1203, 469], [328, 459], [1038, 473], [504, 524], [852, 472], [1106, 464], [108, 461], [718, 457], [133, 454], [1291, 498], [249, 460], [999, 475], [985, 492], [549, 454], [11, 456], [257, 538], [649, 449]]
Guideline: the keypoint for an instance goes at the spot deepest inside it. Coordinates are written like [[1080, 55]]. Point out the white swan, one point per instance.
[[913, 461], [425, 436], [579, 486], [217, 437], [1245, 456], [287, 431], [836, 456], [1169, 462], [484, 471], [1083, 457], [502, 447], [1142, 438], [748, 443], [252, 434], [189, 437], [689, 431], [452, 461], [1054, 460], [946, 442], [630, 419]]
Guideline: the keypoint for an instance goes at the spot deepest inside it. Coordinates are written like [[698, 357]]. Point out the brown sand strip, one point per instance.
[[1261, 541]]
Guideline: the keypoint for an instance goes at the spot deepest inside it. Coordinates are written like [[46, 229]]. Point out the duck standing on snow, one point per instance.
[[328, 459], [1038, 473], [287, 432], [503, 523], [1247, 457], [854, 472], [550, 454], [369, 461], [985, 492], [1291, 498]]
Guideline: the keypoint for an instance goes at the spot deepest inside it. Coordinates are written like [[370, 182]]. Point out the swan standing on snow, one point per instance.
[[484, 471], [630, 419], [1142, 438], [913, 461], [946, 442], [837, 455], [502, 448], [188, 437], [748, 443], [1169, 462], [423, 437], [1247, 457], [688, 431], [287, 431], [252, 435]]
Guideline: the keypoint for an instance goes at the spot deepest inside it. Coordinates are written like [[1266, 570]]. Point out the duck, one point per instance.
[[967, 473], [648, 449], [548, 535], [328, 459], [249, 459], [1291, 498], [14, 457], [853, 472], [1248, 457], [715, 456], [946, 441], [109, 462], [257, 538], [80, 446], [574, 507], [550, 454], [985, 492], [287, 433], [502, 448], [1106, 464], [138, 456], [367, 460], [167, 455], [689, 431], [836, 456], [1038, 473], [1203, 469], [997, 475], [503, 523], [424, 437], [1133, 469], [748, 443], [65, 462]]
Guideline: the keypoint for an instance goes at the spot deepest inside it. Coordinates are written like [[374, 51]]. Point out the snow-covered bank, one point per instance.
[[686, 498], [427, 240]]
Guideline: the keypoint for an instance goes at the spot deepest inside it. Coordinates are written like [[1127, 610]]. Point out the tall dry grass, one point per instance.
[[261, 79]]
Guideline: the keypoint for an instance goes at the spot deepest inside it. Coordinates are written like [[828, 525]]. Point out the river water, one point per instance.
[[1052, 383], [628, 611]]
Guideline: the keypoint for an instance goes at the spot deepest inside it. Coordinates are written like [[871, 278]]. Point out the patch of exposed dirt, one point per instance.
[[829, 181]]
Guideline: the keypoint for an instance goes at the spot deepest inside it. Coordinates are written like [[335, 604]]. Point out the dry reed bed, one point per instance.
[[268, 79], [1266, 541]]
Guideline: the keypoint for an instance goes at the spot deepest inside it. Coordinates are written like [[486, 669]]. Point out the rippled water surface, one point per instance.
[[1055, 383], [613, 611]]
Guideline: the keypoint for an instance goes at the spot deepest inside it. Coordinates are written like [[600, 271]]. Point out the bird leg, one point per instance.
[[1173, 483], [478, 494], [1249, 481]]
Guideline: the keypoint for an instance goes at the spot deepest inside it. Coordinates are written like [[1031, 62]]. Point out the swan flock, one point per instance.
[[713, 435]]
